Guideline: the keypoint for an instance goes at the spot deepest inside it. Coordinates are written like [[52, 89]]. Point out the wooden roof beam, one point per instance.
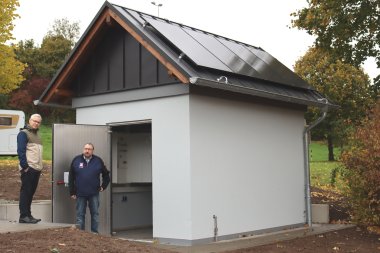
[[78, 53]]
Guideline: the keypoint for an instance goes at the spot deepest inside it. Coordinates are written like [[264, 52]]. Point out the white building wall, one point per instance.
[[170, 156], [246, 166]]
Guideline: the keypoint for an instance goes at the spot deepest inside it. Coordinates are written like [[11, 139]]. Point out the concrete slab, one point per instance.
[[40, 209], [13, 226], [220, 246], [258, 240]]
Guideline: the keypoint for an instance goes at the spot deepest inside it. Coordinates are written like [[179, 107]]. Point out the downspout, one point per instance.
[[306, 159]]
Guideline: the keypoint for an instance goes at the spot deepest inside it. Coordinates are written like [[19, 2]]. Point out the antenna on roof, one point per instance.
[[158, 7]]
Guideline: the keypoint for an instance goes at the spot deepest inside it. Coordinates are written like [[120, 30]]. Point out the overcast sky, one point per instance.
[[259, 23]]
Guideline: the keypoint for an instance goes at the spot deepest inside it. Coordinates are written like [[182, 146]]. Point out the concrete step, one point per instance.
[[40, 209]]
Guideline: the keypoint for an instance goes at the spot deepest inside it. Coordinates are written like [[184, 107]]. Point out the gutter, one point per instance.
[[38, 102], [306, 159], [225, 85]]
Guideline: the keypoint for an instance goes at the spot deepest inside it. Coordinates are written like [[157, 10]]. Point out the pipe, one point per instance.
[[40, 103], [215, 227], [306, 159]]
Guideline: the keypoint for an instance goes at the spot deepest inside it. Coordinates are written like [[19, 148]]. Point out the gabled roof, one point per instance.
[[193, 56]]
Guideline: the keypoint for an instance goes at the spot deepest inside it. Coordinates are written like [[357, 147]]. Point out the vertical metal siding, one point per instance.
[[116, 60], [132, 62], [148, 68]]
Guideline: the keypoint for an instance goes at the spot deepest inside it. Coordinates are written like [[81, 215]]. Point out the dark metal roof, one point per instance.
[[206, 57], [211, 60]]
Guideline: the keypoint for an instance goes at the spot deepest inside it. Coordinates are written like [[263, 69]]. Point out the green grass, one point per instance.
[[321, 169], [46, 136], [319, 151]]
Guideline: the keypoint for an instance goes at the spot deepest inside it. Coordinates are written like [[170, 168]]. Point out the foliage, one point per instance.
[[10, 68], [349, 27], [51, 55], [7, 16], [343, 84], [63, 28], [23, 98], [43, 62], [362, 170]]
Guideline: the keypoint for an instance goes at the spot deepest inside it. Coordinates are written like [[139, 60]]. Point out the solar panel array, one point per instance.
[[216, 52]]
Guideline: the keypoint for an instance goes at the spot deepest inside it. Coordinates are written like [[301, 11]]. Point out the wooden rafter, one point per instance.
[[106, 18], [78, 53]]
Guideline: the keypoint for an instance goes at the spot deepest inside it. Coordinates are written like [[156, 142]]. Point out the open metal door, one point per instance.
[[68, 141]]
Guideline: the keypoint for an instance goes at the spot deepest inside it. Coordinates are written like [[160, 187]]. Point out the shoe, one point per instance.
[[31, 217], [27, 220]]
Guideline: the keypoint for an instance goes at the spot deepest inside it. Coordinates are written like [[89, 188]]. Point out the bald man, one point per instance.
[[29, 150]]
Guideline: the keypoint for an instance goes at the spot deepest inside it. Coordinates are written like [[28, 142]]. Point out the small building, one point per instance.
[[203, 135]]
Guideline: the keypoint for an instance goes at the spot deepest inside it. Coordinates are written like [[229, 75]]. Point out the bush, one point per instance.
[[362, 170]]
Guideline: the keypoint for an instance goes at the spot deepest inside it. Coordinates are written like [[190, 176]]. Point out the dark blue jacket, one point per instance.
[[84, 178]]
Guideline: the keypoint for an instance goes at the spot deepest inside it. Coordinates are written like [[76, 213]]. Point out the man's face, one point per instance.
[[88, 150], [35, 122]]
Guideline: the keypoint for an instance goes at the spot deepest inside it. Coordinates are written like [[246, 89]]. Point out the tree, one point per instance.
[[43, 62], [51, 55], [349, 27], [344, 84], [362, 170], [63, 27], [10, 69]]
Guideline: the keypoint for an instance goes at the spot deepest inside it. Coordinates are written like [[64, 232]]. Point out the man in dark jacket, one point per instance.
[[29, 150], [84, 183]]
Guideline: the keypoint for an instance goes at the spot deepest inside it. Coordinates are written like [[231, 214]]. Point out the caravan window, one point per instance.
[[5, 121]]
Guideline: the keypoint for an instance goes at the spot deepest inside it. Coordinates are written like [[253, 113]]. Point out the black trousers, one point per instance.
[[29, 183]]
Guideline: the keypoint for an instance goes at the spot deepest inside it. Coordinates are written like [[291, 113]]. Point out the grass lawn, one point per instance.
[[321, 169]]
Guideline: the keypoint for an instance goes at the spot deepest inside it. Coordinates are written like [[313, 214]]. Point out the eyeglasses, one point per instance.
[[36, 121]]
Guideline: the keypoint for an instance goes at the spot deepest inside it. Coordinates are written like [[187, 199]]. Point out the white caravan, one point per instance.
[[10, 123]]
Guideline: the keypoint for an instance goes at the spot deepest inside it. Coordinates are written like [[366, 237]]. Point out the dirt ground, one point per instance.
[[357, 239]]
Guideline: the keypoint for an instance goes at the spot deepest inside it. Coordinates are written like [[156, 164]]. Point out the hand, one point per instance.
[[101, 189], [74, 196]]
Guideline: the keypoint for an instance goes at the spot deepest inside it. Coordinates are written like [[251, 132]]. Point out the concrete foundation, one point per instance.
[[320, 213], [40, 209]]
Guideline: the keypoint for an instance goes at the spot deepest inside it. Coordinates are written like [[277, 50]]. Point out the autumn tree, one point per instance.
[[362, 170], [43, 62], [64, 28], [10, 68], [344, 84], [349, 27]]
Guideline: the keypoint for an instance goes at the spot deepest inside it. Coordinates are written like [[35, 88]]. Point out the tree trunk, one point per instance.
[[330, 146]]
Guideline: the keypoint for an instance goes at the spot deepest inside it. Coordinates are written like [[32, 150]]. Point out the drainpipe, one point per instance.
[[306, 159]]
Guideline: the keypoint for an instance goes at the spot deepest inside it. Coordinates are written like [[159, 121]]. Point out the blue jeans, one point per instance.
[[93, 205]]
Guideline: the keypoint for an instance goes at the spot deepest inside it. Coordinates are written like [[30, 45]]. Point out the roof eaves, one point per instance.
[[319, 100]]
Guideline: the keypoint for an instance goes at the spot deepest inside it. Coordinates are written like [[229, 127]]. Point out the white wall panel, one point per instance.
[[246, 166], [170, 156]]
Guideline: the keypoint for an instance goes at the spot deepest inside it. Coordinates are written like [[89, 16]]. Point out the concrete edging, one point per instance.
[[40, 209]]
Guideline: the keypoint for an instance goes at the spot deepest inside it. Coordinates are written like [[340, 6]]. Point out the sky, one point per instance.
[[264, 24]]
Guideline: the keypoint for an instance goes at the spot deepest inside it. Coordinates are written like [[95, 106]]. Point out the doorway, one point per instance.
[[131, 189]]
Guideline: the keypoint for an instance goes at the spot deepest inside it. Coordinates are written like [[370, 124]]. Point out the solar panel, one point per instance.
[[223, 53], [187, 44], [211, 51]]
